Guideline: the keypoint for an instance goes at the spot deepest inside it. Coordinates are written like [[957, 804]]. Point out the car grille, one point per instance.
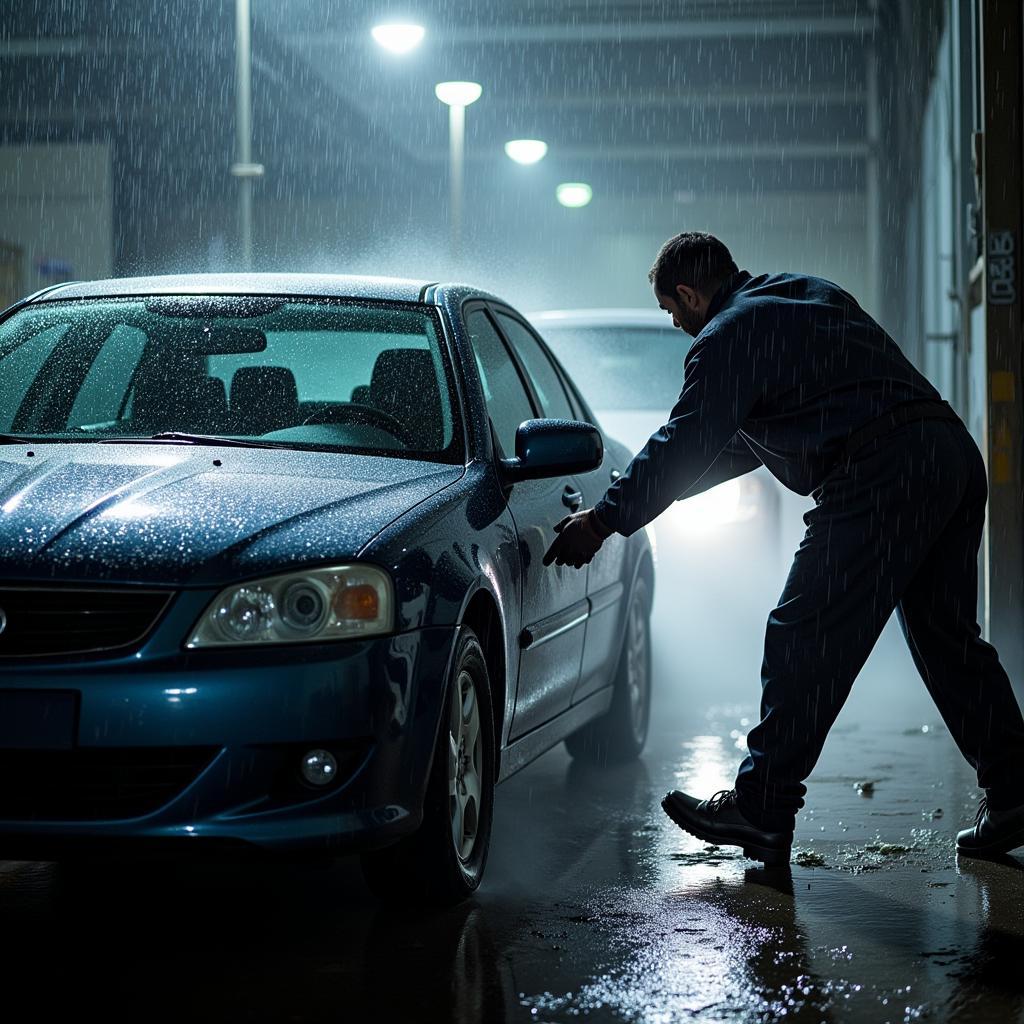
[[95, 785], [39, 621]]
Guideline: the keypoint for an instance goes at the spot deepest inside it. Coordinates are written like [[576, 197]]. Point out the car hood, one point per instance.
[[176, 514]]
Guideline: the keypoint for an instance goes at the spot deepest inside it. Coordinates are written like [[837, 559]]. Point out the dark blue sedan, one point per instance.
[[270, 572]]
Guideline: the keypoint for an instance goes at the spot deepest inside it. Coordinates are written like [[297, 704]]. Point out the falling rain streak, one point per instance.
[[541, 150]]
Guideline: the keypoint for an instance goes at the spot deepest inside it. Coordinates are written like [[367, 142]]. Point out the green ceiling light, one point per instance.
[[526, 151], [574, 194]]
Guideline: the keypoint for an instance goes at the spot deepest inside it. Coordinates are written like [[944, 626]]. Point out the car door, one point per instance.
[[605, 582], [610, 574], [554, 599]]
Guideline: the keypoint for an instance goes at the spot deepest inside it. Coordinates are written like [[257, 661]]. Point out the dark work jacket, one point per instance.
[[785, 369]]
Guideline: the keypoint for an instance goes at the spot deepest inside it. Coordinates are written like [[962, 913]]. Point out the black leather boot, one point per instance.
[[993, 833], [720, 821]]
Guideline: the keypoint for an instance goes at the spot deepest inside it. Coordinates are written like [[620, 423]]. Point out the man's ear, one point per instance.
[[688, 297]]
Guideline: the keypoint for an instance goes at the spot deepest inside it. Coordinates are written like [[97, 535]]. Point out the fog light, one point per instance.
[[319, 767]]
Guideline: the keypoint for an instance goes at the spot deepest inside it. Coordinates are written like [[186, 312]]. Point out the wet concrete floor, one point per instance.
[[594, 907]]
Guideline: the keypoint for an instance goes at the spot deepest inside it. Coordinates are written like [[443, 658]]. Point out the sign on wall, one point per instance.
[[1001, 268]]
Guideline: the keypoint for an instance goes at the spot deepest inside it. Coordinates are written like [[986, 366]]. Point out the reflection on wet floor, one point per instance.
[[595, 906], [885, 925]]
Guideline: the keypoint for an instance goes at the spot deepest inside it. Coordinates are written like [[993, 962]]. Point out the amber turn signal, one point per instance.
[[359, 602]]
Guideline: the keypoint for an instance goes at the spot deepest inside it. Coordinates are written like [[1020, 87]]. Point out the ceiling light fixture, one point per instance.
[[458, 94], [526, 151], [398, 38], [574, 194]]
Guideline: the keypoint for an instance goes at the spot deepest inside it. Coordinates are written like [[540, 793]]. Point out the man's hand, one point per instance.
[[580, 537]]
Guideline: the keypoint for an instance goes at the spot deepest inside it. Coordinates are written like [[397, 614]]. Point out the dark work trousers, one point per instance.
[[897, 525]]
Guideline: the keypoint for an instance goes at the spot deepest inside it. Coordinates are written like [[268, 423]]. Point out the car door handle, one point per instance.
[[571, 499]]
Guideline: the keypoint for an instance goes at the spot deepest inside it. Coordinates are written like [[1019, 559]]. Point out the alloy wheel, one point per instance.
[[465, 752], [637, 669]]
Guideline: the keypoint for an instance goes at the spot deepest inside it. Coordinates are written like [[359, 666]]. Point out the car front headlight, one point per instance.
[[313, 606], [726, 503]]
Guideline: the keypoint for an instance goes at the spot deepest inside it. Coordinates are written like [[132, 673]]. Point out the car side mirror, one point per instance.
[[546, 448]]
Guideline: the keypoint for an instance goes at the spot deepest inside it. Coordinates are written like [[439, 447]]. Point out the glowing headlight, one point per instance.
[[715, 507], [304, 607]]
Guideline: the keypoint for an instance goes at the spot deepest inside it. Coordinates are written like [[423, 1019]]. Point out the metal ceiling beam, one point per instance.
[[710, 98], [85, 112], [588, 32], [621, 32], [724, 151], [95, 46]]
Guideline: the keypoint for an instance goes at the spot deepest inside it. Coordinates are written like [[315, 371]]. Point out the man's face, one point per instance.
[[685, 309]]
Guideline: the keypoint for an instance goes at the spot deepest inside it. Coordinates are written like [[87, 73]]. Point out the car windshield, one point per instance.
[[300, 373], [619, 368]]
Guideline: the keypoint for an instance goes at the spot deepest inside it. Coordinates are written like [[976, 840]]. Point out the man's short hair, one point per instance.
[[694, 258]]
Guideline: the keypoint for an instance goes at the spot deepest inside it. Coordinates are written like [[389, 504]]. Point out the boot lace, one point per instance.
[[722, 799]]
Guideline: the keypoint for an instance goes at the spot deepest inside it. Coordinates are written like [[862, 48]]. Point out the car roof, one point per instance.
[[319, 285], [611, 317]]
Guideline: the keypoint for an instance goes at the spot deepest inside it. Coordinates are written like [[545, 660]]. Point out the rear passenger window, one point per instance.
[[543, 375], [507, 401]]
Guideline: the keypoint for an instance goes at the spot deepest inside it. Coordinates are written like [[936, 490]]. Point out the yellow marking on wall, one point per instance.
[[1003, 386]]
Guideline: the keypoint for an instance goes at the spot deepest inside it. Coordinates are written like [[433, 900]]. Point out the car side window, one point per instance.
[[507, 401], [542, 374]]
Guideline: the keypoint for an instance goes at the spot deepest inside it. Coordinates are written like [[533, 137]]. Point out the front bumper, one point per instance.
[[200, 750]]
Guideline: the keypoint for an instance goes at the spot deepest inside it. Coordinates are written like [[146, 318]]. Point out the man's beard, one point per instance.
[[691, 323]]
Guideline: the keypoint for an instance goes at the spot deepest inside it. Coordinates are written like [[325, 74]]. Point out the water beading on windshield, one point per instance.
[[306, 373]]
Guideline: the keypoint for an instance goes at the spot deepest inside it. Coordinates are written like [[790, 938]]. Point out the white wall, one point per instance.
[[56, 204]]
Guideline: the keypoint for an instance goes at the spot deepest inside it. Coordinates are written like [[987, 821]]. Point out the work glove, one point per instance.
[[579, 538]]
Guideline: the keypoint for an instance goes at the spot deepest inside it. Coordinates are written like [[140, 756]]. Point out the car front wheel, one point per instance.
[[443, 861]]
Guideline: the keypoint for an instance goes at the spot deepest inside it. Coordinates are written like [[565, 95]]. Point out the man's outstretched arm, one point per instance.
[[686, 456], [680, 457]]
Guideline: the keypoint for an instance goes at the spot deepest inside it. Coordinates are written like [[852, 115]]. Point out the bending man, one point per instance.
[[789, 372]]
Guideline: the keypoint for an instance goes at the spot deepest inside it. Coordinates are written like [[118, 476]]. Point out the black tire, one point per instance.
[[620, 734], [426, 868]]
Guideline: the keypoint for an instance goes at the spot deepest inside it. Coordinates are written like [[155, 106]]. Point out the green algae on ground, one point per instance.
[[709, 855], [887, 849], [809, 859]]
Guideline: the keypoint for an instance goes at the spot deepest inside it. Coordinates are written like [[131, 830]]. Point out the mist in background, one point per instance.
[[796, 133]]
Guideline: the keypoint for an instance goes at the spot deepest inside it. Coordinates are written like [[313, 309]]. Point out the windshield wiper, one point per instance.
[[25, 439], [210, 439]]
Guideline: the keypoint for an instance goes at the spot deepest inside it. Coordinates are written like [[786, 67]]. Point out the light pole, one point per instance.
[[457, 96], [243, 168]]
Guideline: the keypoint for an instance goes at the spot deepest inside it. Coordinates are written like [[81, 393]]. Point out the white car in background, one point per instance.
[[629, 365], [721, 553]]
